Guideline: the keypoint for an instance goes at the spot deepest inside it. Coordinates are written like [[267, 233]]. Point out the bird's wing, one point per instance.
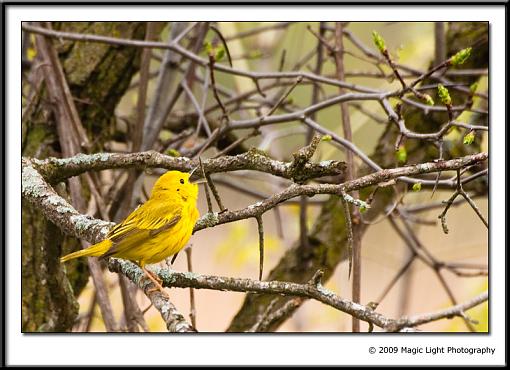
[[143, 223], [149, 216]]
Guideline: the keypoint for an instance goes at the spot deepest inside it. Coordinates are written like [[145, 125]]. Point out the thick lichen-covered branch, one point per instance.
[[313, 289], [35, 190], [58, 169]]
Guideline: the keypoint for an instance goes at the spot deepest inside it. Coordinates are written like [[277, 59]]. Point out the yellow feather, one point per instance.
[[92, 251]]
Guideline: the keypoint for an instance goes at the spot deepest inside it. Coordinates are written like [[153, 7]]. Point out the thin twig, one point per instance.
[[212, 62], [256, 30], [460, 191], [284, 96], [201, 117], [421, 252], [449, 292], [401, 272], [236, 143], [205, 88], [261, 244], [457, 310], [354, 238], [225, 45], [269, 318], [192, 311], [206, 189], [348, 227]]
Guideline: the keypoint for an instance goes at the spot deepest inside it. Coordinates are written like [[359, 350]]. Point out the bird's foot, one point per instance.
[[157, 281], [154, 276]]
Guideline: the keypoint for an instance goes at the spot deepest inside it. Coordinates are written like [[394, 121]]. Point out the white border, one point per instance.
[[249, 349]]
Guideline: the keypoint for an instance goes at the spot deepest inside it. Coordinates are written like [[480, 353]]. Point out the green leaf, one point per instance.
[[362, 209], [428, 99], [173, 153], [379, 41], [401, 154], [460, 57], [444, 95], [469, 138], [208, 47], [326, 138], [473, 87], [417, 186], [220, 53]]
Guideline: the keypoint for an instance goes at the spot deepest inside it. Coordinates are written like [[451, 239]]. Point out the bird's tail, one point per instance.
[[95, 250]]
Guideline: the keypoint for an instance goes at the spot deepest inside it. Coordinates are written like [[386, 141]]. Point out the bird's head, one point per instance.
[[175, 184]]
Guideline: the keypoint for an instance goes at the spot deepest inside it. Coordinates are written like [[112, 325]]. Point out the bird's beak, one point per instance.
[[195, 177], [200, 181]]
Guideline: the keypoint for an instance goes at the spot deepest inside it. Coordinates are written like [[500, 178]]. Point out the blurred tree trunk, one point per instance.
[[98, 76], [328, 237]]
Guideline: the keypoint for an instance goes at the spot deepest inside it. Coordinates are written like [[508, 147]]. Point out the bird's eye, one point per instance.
[[182, 181]]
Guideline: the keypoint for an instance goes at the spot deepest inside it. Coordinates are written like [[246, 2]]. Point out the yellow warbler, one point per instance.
[[157, 229]]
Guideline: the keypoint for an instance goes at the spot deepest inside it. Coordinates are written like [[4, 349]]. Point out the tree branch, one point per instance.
[[313, 289], [56, 169]]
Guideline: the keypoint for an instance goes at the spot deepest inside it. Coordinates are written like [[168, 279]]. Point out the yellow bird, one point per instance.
[[157, 229]]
